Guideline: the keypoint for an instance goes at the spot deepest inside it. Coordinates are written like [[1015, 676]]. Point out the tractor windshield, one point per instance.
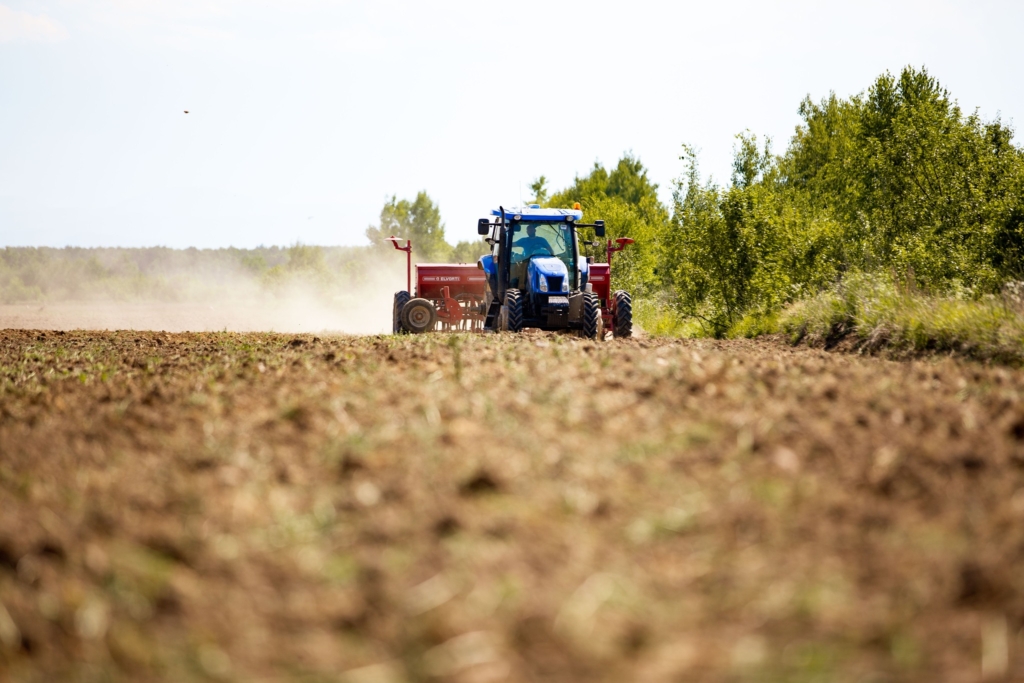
[[531, 239]]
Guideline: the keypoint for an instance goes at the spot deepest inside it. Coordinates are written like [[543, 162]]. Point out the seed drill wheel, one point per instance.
[[419, 316], [623, 315], [401, 299]]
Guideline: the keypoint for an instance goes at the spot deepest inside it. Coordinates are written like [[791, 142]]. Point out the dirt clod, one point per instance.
[[446, 526], [481, 483]]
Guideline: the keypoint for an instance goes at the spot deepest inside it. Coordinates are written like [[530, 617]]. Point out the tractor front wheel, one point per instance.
[[513, 310], [418, 316], [401, 299], [591, 315], [623, 315]]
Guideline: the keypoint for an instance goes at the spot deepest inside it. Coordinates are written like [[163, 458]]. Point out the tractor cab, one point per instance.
[[539, 245]]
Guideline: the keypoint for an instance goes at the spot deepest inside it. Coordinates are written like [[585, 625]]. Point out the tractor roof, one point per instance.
[[535, 213]]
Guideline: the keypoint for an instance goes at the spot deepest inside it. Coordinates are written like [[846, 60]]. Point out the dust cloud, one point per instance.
[[356, 299]]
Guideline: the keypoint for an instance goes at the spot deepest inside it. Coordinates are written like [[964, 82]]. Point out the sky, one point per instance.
[[306, 116]]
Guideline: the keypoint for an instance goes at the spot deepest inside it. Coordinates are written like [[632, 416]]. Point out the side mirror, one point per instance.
[[483, 226], [599, 228]]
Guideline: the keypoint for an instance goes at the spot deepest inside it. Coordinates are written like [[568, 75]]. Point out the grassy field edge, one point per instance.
[[875, 314]]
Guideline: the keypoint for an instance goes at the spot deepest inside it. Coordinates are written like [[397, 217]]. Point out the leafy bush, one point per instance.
[[896, 179]]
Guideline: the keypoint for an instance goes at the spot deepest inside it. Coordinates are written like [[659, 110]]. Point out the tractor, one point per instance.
[[533, 277]]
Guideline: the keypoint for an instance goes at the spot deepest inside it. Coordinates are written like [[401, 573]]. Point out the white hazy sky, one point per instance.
[[305, 115]]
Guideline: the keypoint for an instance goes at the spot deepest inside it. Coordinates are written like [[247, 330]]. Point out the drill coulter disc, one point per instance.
[[472, 318]]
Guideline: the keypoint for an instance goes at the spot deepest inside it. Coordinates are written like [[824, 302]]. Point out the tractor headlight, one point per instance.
[[542, 284], [565, 283]]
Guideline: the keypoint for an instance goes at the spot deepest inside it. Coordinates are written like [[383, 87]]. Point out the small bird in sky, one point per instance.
[[186, 111]]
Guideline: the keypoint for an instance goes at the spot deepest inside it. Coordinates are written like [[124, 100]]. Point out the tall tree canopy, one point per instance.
[[627, 201], [418, 220]]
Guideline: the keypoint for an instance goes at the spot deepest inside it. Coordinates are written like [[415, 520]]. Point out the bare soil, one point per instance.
[[261, 507]]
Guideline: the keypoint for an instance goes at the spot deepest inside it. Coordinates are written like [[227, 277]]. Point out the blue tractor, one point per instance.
[[537, 278]]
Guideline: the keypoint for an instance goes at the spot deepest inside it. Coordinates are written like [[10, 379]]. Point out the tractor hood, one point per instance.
[[552, 270]]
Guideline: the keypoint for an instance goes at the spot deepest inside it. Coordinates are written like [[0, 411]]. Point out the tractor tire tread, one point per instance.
[[591, 315], [623, 315], [514, 306]]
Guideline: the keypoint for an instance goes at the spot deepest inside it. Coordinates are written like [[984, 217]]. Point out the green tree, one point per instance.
[[627, 201], [540, 192], [469, 251], [628, 181], [419, 221], [917, 186]]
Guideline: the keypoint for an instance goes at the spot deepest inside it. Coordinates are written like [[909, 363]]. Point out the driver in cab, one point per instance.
[[533, 245]]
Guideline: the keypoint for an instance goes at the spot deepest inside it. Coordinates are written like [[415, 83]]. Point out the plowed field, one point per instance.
[[259, 507]]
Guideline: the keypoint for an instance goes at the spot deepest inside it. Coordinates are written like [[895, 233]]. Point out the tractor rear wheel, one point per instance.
[[623, 315], [418, 316], [513, 310], [591, 315], [401, 299]]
